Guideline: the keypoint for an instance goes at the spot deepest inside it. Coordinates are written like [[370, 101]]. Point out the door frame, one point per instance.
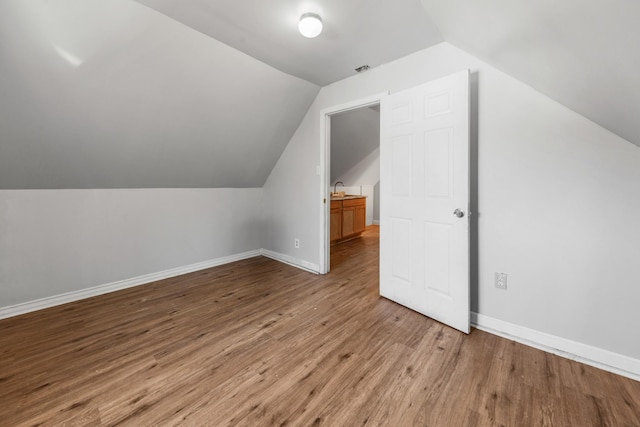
[[325, 169]]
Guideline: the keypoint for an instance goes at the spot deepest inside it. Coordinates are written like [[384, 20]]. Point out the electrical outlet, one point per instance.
[[296, 243], [501, 281]]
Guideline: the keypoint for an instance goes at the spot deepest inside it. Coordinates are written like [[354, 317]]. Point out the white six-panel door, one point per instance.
[[424, 178]]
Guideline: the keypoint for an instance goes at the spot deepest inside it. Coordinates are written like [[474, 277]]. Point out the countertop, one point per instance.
[[348, 197]]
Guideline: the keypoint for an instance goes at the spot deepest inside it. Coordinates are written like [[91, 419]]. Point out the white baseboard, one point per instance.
[[313, 268], [603, 359], [594, 356], [376, 222], [27, 307]]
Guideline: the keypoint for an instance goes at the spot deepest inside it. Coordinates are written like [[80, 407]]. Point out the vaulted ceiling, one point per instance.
[[195, 93], [356, 32], [111, 94], [582, 53]]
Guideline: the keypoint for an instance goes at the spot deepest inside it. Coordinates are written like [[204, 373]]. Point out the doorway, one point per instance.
[[358, 165], [354, 174], [424, 166]]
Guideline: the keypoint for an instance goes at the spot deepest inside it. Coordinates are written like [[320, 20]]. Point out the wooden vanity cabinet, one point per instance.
[[336, 220], [348, 218]]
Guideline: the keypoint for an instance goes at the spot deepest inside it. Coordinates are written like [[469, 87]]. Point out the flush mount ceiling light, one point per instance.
[[310, 25]]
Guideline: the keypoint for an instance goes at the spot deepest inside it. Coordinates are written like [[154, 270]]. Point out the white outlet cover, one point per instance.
[[501, 281]]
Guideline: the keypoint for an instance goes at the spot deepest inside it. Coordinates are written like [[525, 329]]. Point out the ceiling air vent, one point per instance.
[[362, 68]]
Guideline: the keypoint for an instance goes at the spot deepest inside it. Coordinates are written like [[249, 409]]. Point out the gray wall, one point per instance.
[[376, 202], [112, 99], [355, 146], [556, 200], [58, 241], [355, 150]]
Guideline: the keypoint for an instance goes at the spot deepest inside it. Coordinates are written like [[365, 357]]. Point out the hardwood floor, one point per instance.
[[260, 343]]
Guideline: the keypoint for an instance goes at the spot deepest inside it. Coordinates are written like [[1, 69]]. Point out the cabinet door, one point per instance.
[[348, 221], [360, 218], [336, 224]]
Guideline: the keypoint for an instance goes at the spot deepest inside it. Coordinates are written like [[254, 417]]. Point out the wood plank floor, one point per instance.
[[259, 343]]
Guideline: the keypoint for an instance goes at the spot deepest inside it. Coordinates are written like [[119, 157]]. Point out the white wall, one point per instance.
[[58, 241], [556, 201]]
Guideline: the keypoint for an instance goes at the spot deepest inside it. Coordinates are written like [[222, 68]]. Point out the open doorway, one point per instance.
[[354, 176], [351, 166], [425, 186]]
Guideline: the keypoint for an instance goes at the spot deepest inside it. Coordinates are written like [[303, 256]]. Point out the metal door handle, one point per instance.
[[458, 213]]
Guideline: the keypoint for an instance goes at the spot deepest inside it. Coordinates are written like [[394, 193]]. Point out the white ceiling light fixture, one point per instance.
[[310, 25]]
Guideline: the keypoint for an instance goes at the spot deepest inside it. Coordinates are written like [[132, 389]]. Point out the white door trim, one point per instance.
[[325, 172]]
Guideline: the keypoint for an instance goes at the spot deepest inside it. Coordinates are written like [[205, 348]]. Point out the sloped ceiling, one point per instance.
[[169, 93], [355, 137], [356, 32], [582, 53], [111, 94]]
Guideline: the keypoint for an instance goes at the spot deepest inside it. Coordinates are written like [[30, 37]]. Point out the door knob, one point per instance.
[[458, 213]]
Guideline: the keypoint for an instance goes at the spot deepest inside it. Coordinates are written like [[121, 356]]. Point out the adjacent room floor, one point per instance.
[[260, 343]]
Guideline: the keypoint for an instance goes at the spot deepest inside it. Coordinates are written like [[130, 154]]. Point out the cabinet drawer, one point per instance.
[[354, 202], [336, 204]]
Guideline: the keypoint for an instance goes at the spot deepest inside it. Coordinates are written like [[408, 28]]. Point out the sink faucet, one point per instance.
[[335, 187]]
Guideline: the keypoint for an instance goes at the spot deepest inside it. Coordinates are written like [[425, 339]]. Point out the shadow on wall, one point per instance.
[[473, 176], [376, 202]]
